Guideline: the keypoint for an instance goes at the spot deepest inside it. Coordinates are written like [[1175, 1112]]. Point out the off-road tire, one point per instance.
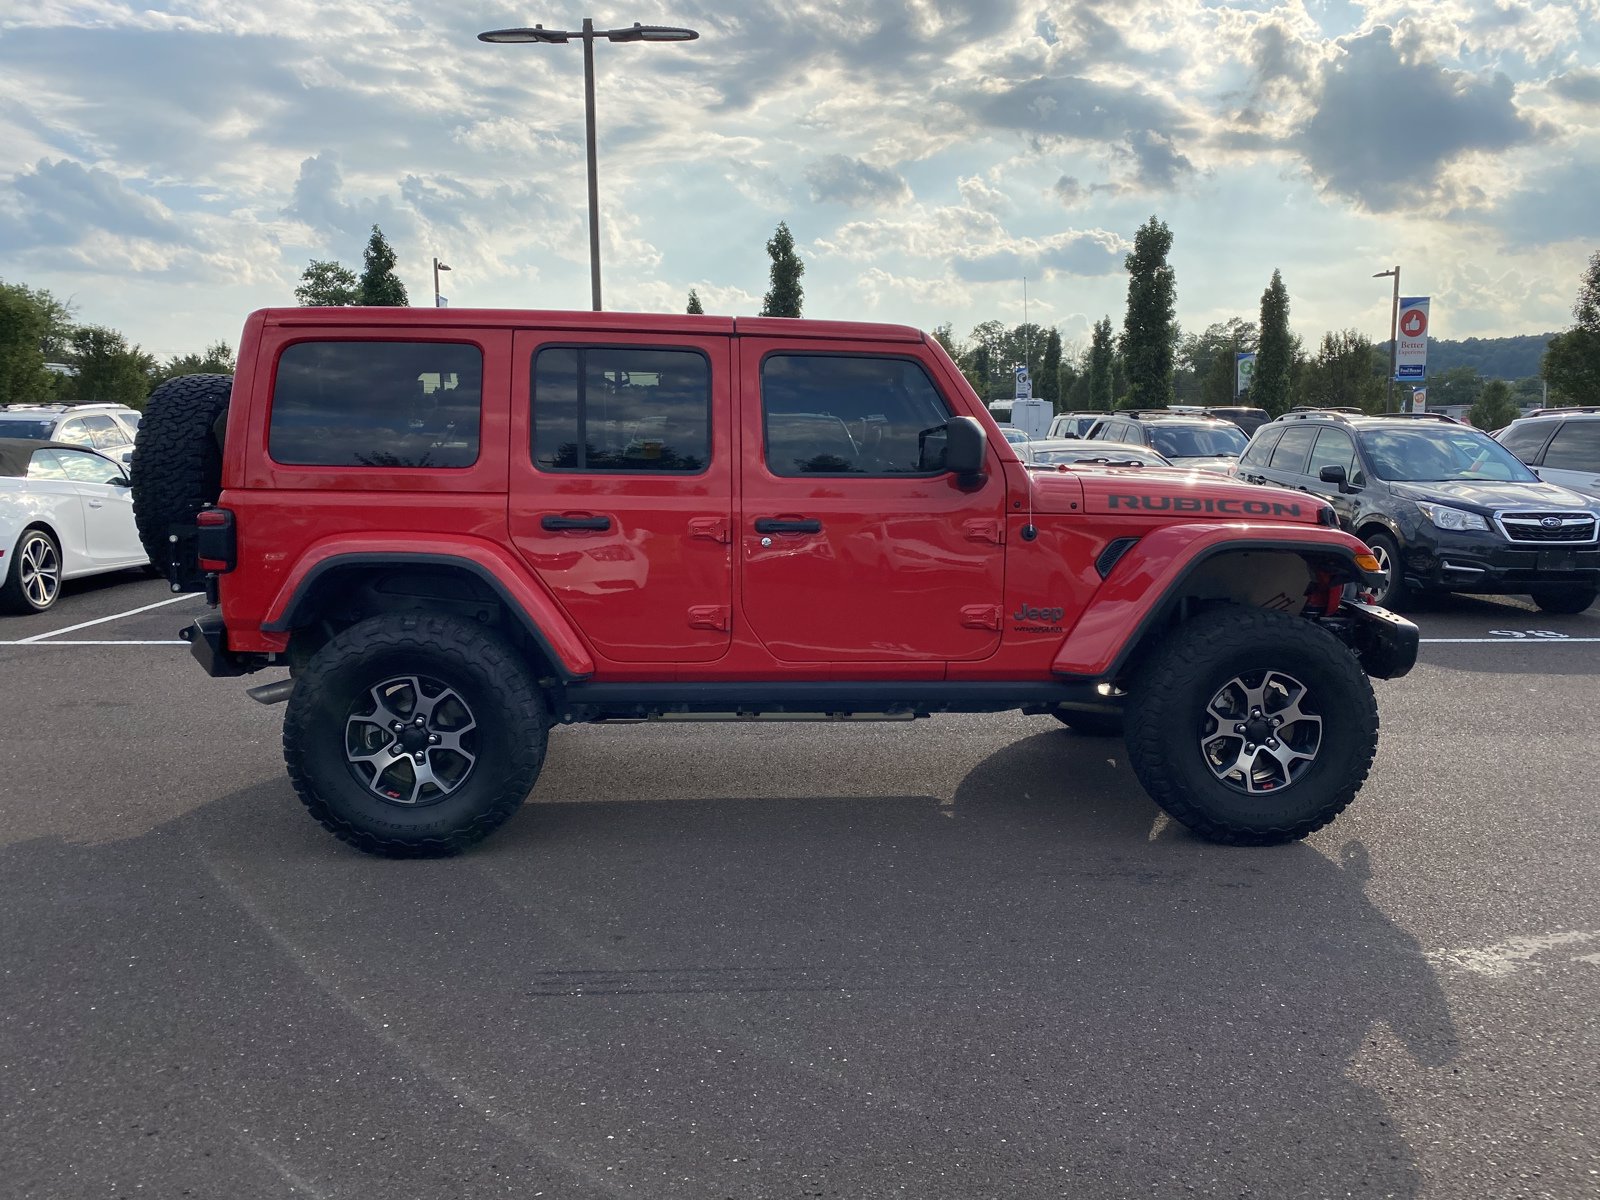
[[14, 597], [177, 470], [494, 684], [1092, 724], [1397, 596], [1166, 720], [1565, 598]]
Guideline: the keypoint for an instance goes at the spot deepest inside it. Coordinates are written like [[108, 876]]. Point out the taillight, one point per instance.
[[216, 545]]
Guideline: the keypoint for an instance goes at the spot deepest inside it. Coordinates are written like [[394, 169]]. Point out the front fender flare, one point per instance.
[[1148, 581]]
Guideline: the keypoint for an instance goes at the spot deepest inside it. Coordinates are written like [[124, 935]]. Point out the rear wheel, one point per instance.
[[410, 735], [1567, 598], [33, 582], [1252, 727]]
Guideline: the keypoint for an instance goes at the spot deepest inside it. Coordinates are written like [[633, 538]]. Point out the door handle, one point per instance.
[[97, 504], [555, 524], [775, 525]]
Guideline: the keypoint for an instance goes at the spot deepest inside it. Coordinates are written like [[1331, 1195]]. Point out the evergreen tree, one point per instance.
[[379, 284], [109, 370], [694, 308], [327, 283], [1150, 330], [785, 296], [1049, 386], [1494, 406], [1269, 388], [1348, 372], [1219, 387], [1572, 360], [23, 378], [1102, 366]]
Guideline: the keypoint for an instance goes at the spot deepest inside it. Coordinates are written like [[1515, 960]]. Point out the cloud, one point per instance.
[[60, 203], [1071, 108], [1158, 164], [1084, 253], [1385, 126], [318, 201], [1580, 85], [839, 179]]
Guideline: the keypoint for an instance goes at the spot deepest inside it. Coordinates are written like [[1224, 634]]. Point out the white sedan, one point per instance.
[[65, 512]]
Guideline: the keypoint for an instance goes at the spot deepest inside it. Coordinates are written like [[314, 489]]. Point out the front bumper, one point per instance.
[[1385, 643], [1481, 562]]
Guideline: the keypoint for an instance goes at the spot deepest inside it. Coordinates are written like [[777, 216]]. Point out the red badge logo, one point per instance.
[[1413, 323]]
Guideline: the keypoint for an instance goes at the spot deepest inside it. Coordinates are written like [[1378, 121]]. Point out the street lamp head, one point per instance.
[[442, 266], [537, 34], [651, 33], [1385, 274]]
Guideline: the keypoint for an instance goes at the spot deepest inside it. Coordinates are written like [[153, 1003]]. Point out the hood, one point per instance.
[[1487, 495], [1169, 495]]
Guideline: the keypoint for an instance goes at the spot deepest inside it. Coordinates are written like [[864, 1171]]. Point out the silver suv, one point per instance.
[[108, 428], [1561, 444]]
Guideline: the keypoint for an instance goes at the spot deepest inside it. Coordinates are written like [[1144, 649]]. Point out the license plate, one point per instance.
[[1558, 560]]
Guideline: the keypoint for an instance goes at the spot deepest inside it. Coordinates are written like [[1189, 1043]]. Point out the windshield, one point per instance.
[[1441, 453], [1198, 441], [33, 430]]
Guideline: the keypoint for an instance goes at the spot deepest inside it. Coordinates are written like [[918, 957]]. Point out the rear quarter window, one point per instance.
[[377, 404]]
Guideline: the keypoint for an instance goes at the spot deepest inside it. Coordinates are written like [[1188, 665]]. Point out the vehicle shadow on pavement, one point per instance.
[[1020, 993]]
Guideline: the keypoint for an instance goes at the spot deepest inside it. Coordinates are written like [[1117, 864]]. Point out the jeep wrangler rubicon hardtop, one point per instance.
[[457, 527]]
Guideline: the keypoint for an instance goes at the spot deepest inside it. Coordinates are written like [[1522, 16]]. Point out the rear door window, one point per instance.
[[621, 408], [377, 404], [1259, 452], [1335, 448], [1526, 438], [1576, 447], [1293, 449]]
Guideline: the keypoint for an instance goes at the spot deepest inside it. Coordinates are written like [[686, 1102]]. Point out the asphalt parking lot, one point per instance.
[[961, 958]]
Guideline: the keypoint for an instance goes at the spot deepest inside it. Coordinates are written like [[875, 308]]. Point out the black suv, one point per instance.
[[1183, 439], [1562, 444], [1443, 506]]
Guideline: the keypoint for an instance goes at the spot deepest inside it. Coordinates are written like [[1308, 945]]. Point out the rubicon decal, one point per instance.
[[1204, 504]]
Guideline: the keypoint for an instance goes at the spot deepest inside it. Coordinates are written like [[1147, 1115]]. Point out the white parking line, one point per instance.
[[70, 642], [39, 637], [1501, 641]]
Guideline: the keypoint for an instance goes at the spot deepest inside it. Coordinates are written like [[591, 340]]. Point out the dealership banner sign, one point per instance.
[[1244, 371], [1411, 347]]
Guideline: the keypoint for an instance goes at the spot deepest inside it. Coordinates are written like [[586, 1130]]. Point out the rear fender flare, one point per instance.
[[523, 597]]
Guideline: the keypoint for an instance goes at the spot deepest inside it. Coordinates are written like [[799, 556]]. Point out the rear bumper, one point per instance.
[[208, 643], [1385, 643]]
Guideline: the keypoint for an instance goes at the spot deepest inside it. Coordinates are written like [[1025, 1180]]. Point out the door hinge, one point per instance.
[[715, 616], [713, 529], [984, 529], [980, 616]]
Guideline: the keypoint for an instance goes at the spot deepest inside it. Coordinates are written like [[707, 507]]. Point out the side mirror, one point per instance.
[[1335, 474], [958, 446], [120, 481]]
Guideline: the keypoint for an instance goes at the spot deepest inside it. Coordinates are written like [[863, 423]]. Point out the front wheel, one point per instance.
[[414, 734], [1251, 727], [1566, 598], [1396, 594], [33, 582]]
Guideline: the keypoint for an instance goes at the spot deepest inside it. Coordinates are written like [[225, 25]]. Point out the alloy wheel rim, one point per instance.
[[1386, 566], [411, 740], [40, 571], [1257, 734]]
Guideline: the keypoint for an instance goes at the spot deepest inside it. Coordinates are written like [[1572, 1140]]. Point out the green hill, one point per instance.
[[1507, 358]]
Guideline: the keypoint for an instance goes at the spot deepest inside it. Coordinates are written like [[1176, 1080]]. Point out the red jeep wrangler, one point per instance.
[[457, 527]]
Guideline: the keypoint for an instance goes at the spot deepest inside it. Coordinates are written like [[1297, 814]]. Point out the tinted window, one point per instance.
[[1260, 451], [1334, 448], [1575, 448], [105, 434], [621, 408], [34, 431], [1526, 438], [837, 415], [377, 404], [1222, 440], [87, 468], [1293, 448]]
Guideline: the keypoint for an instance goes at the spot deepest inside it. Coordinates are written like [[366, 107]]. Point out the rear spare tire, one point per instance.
[[177, 470], [1251, 727]]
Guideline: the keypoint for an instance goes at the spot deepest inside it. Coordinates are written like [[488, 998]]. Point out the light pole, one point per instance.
[[632, 33], [438, 300], [1394, 335]]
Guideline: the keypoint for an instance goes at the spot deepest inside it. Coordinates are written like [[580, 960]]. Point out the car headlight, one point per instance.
[[1457, 519]]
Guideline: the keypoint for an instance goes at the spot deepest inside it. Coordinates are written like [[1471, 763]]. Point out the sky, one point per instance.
[[171, 166]]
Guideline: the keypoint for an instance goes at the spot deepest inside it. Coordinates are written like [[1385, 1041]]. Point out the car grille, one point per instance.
[[1548, 526]]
